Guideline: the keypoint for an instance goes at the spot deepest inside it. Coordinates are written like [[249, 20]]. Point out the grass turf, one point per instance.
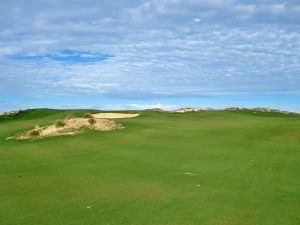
[[208, 168]]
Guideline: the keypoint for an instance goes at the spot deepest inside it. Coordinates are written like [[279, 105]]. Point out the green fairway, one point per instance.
[[201, 168]]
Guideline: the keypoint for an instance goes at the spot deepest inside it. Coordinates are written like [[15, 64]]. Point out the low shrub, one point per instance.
[[92, 121], [34, 133], [9, 115], [60, 123], [70, 117], [87, 115]]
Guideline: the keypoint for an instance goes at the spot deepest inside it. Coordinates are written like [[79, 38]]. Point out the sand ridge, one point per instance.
[[70, 127]]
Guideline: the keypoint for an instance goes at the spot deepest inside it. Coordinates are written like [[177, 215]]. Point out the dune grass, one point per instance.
[[208, 168]]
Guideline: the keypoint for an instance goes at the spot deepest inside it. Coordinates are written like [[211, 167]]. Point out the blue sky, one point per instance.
[[156, 53]]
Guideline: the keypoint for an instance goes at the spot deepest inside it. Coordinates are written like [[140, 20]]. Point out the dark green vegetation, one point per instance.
[[217, 168], [60, 123]]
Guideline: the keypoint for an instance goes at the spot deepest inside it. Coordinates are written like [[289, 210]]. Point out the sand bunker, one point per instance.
[[114, 115], [69, 127]]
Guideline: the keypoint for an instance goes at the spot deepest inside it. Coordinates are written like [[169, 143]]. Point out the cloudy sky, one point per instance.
[[157, 53]]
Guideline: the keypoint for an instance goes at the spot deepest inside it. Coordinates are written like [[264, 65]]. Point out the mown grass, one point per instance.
[[210, 168]]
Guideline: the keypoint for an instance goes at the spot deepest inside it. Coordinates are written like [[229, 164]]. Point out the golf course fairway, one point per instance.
[[201, 168]]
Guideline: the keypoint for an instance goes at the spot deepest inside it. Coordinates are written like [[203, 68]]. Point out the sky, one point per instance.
[[135, 54]]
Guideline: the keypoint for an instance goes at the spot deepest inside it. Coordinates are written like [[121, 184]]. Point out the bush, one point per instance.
[[60, 123], [92, 121], [9, 115], [87, 115], [70, 117], [34, 133]]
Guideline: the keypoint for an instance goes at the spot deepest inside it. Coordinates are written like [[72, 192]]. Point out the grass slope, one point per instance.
[[208, 168]]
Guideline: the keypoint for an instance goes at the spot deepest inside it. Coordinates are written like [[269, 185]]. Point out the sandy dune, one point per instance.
[[70, 127], [114, 115]]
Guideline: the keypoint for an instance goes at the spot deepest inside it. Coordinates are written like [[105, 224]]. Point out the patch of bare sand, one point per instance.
[[114, 115], [70, 127]]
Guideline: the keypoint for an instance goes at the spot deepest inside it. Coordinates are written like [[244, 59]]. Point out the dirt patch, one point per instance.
[[70, 127], [187, 110], [155, 110], [114, 115], [188, 173], [9, 115], [260, 109]]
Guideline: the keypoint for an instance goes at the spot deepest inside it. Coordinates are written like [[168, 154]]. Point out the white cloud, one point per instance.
[[278, 8], [160, 47], [249, 9], [296, 8], [9, 50]]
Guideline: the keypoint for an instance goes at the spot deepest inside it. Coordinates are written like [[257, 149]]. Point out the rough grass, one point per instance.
[[92, 121], [210, 168], [70, 116], [60, 123], [88, 115], [34, 133]]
